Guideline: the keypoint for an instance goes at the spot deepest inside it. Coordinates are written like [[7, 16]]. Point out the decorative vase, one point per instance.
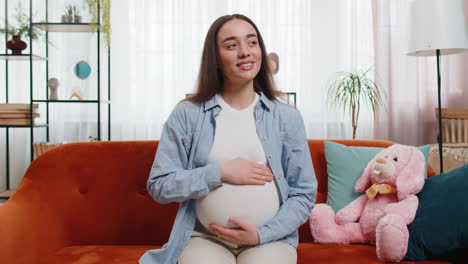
[[16, 45], [53, 84], [76, 19], [67, 19]]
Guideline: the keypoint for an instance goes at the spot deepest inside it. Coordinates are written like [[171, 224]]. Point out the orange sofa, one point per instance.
[[86, 203]]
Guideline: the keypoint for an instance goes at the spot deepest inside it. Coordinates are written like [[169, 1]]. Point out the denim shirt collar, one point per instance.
[[213, 102]]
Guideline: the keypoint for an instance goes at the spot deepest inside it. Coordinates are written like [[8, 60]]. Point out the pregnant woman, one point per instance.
[[236, 159]]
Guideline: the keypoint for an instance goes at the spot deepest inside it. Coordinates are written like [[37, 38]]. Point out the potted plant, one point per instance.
[[351, 90], [71, 15], [21, 29], [103, 18]]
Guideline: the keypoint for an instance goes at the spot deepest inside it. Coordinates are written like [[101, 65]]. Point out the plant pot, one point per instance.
[[16, 45], [67, 19], [77, 19]]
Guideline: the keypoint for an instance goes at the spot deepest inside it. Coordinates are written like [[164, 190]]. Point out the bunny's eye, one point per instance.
[[395, 159]]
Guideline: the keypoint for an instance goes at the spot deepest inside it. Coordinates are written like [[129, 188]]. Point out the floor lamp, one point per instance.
[[438, 27]]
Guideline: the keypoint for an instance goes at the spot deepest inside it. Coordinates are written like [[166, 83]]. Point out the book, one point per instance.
[[17, 106], [15, 121], [17, 115], [21, 111]]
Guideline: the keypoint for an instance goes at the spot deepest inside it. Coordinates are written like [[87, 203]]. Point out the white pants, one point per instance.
[[206, 249]]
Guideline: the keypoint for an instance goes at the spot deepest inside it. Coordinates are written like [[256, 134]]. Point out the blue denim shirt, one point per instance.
[[180, 172]]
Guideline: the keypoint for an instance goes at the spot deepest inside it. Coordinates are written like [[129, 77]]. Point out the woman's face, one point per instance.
[[239, 52]]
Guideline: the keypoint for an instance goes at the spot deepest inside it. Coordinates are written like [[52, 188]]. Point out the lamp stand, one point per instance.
[[439, 137]]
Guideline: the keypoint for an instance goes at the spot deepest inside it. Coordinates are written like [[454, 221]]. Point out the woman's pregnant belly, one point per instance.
[[254, 204]]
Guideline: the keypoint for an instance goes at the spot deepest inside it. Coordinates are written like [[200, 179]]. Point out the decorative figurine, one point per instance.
[[53, 84], [77, 93]]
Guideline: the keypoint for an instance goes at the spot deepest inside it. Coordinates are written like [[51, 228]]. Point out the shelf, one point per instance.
[[67, 27], [21, 57], [20, 126], [71, 101], [97, 101], [6, 194]]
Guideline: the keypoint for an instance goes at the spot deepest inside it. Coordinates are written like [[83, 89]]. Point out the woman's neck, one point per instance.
[[238, 96]]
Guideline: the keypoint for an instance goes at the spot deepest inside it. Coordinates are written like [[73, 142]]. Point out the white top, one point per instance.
[[236, 137]]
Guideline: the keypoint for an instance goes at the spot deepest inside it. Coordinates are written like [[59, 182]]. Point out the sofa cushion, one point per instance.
[[309, 253], [98, 255], [441, 207], [345, 165]]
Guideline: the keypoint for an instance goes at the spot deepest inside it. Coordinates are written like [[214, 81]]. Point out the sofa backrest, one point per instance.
[[99, 191]]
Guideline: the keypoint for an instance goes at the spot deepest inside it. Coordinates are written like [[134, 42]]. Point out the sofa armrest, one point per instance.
[[29, 228]]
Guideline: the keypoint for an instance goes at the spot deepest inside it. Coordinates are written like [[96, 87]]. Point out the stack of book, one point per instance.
[[17, 114]]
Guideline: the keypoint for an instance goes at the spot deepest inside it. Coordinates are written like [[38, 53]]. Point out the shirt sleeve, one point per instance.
[[300, 176], [169, 179]]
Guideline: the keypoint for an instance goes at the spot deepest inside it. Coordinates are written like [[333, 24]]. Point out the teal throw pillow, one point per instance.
[[440, 228], [344, 166]]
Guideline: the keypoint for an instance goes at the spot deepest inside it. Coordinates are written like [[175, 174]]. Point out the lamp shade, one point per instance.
[[437, 24]]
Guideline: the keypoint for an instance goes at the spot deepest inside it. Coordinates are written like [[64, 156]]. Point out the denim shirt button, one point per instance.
[[263, 138], [270, 156]]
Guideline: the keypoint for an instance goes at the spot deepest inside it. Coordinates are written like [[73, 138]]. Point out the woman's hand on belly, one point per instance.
[[245, 234], [240, 171]]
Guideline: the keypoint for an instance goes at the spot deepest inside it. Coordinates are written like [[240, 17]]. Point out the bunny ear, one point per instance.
[[411, 178], [364, 181]]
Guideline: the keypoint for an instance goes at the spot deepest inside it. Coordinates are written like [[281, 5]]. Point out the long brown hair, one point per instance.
[[210, 78]]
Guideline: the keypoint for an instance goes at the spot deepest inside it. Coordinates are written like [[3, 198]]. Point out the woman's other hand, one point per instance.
[[245, 234], [242, 171]]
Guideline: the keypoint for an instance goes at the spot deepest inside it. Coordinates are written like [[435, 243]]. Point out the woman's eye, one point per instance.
[[253, 43], [395, 159], [231, 46]]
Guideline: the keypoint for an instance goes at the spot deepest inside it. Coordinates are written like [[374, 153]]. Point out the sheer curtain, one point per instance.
[[156, 50], [157, 47], [411, 82]]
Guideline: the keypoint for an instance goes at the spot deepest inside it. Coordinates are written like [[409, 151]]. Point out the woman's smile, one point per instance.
[[246, 66]]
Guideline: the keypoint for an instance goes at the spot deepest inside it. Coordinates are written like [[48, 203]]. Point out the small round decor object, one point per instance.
[[82, 70], [273, 62]]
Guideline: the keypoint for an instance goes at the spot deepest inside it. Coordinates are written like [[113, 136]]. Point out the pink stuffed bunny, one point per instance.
[[390, 182]]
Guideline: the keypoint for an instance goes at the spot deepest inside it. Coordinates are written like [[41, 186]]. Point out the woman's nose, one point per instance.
[[244, 51]]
